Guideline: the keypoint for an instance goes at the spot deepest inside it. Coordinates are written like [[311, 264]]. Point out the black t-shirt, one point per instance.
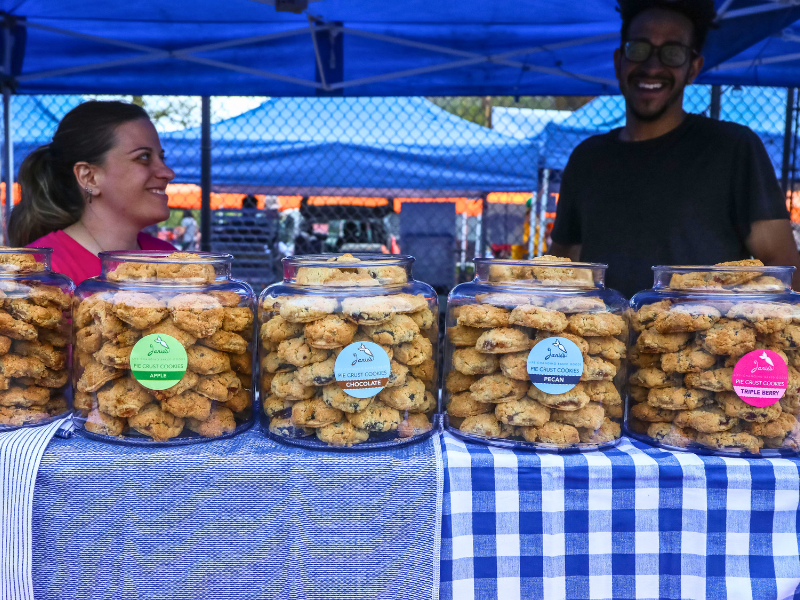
[[685, 198]]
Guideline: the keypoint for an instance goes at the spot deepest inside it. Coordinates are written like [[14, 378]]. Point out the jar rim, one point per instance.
[[163, 257], [539, 263], [364, 260], [723, 269], [26, 250]]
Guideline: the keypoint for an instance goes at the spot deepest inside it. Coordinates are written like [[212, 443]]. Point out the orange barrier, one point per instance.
[[17, 193]]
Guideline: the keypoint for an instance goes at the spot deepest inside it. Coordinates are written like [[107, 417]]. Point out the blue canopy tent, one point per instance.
[[352, 47], [349, 147]]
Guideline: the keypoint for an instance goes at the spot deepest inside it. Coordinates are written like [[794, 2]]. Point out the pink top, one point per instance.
[[76, 262]]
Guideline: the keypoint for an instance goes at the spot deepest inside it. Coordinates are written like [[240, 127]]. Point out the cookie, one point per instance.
[[595, 324], [597, 369], [559, 434], [187, 382], [503, 340], [671, 435], [103, 424], [498, 388], [607, 432], [376, 417], [188, 404], [728, 337], [369, 310], [686, 318], [329, 332], [205, 361], [651, 341], [645, 412], [16, 329], [735, 407], [424, 318], [297, 352], [688, 360], [409, 396], [236, 318], [399, 329], [156, 423], [471, 362], [198, 314], [708, 419], [731, 440], [342, 434], [51, 357], [242, 363], [779, 427], [336, 397], [317, 374], [580, 342], [24, 397], [515, 365], [274, 406], [465, 405], [578, 304], [123, 398], [459, 382], [278, 329], [482, 315], [139, 310], [606, 347], [787, 338], [220, 422], [315, 412], [604, 392], [113, 355], [461, 335], [426, 371], [287, 385], [538, 317], [521, 413], [678, 398], [168, 327], [648, 313], [95, 375], [486, 425], [48, 317], [765, 317], [589, 417], [643, 359], [240, 402], [304, 309], [574, 399], [415, 352], [285, 428]]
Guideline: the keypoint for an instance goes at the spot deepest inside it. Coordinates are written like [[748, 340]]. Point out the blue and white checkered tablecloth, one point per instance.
[[633, 522]]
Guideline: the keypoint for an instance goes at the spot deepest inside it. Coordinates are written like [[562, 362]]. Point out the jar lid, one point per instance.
[[347, 270], [182, 268], [545, 271], [748, 276]]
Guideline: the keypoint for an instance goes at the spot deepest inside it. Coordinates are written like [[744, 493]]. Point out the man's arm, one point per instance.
[[773, 244], [571, 251]]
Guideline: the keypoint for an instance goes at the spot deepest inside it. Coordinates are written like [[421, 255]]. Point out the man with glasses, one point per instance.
[[669, 187]]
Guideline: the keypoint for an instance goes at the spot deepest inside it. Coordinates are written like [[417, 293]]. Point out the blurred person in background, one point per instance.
[[669, 188], [93, 188], [190, 229]]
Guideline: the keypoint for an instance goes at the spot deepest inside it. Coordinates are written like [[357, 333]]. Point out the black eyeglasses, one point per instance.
[[671, 54]]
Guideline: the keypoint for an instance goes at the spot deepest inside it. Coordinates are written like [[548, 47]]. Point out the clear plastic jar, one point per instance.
[[535, 355], [34, 338], [348, 352], [714, 359], [163, 349]]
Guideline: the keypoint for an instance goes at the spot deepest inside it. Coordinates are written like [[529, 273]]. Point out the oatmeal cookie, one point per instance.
[[653, 377], [589, 417], [426, 371], [538, 317], [689, 360], [574, 399], [187, 382], [498, 388], [225, 341], [514, 366], [368, 310], [604, 392], [57, 339], [188, 404], [471, 362], [578, 304], [198, 314], [103, 424], [398, 374], [51, 357], [648, 313], [597, 369], [49, 295], [415, 352], [272, 363], [606, 347], [678, 398], [671, 435], [730, 440], [123, 398], [423, 318], [334, 396], [503, 340], [49, 317], [342, 434], [24, 397], [278, 329], [168, 327], [16, 329], [653, 342], [315, 413], [643, 359], [781, 426], [139, 310], [787, 338], [285, 428], [458, 382], [686, 318], [397, 330], [735, 407], [185, 273], [331, 332], [236, 318], [287, 385], [297, 352], [708, 418], [376, 417], [96, 375], [205, 361], [241, 401], [607, 432], [482, 315], [650, 414], [728, 337], [595, 324], [242, 363], [220, 422], [220, 387], [273, 405], [465, 405], [580, 342], [559, 434], [639, 393], [522, 413], [156, 423], [317, 374], [304, 309], [486, 425], [766, 317]]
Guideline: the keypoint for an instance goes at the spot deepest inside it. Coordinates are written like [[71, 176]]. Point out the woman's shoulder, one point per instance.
[[148, 242], [54, 239]]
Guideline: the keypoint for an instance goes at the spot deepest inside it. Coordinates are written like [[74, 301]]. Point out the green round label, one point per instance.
[[158, 361]]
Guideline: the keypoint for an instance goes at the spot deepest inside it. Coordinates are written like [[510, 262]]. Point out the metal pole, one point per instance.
[[716, 102], [482, 237], [205, 174], [543, 210], [787, 141], [532, 223], [8, 157]]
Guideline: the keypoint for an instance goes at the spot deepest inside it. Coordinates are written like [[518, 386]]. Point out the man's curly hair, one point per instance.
[[700, 12]]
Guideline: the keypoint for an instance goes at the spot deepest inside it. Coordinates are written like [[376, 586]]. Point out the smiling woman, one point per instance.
[[93, 188]]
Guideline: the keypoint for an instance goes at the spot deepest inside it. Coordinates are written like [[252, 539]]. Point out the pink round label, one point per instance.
[[760, 378]]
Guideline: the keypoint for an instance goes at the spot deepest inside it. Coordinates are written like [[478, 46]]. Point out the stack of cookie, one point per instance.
[[306, 323], [177, 297], [35, 311], [490, 333], [685, 345]]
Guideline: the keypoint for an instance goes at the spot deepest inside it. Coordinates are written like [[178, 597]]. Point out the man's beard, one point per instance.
[[674, 97]]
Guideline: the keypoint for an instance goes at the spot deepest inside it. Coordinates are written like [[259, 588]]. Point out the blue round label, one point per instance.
[[555, 365], [362, 369]]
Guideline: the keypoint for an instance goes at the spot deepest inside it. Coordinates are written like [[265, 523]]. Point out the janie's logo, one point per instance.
[[156, 350], [366, 351], [561, 353], [758, 367]]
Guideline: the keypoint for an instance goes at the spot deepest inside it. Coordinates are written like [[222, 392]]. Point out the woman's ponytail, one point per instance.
[[51, 197]]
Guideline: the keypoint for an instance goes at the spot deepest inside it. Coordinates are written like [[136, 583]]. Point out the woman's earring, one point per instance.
[[90, 192]]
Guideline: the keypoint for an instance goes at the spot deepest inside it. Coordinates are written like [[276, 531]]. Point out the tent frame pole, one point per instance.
[[205, 174], [787, 141], [8, 154], [482, 237], [540, 218], [716, 102]]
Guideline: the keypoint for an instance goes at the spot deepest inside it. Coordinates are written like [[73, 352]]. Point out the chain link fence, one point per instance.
[[447, 178]]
